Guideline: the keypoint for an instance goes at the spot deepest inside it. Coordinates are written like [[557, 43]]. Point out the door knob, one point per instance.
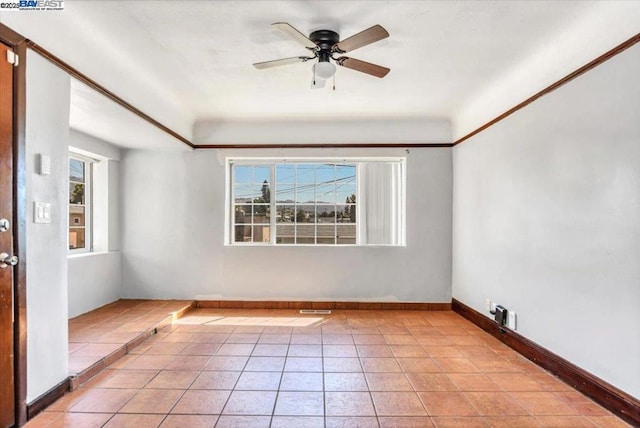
[[6, 260]]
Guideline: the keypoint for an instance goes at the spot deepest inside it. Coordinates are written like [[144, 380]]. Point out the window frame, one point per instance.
[[88, 203], [272, 162]]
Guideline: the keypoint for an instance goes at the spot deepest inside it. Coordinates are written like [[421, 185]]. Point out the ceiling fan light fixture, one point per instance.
[[324, 70]]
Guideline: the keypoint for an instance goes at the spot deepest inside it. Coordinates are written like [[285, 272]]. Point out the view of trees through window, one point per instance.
[[311, 203]]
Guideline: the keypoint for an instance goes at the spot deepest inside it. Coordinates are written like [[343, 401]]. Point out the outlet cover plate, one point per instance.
[[512, 319]]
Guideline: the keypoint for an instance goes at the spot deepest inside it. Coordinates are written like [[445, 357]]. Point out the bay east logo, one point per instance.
[[20, 5], [41, 4]]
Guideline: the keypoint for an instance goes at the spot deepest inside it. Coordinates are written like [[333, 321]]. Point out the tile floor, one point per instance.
[[96, 336], [277, 368]]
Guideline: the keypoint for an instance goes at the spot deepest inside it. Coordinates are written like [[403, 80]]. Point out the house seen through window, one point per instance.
[[79, 204]]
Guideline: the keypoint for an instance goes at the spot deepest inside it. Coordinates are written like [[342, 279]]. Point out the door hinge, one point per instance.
[[13, 58]]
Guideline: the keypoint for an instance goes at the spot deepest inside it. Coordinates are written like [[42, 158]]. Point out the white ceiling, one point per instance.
[[184, 62]]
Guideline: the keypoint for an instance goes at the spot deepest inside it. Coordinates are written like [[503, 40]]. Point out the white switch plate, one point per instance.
[[512, 320], [41, 212], [45, 164]]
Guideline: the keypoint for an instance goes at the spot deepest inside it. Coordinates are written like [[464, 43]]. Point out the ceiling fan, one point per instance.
[[325, 45]]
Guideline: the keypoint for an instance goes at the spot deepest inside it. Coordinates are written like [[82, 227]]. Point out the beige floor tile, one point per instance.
[[153, 401], [173, 379], [345, 382], [397, 404], [215, 380], [250, 403], [201, 402], [259, 381], [298, 403], [348, 404], [138, 421], [191, 421]]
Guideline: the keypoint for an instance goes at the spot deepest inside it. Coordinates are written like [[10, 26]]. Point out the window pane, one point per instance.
[[285, 193], [305, 194], [346, 233], [261, 233], [345, 213], [242, 214], [76, 170], [242, 174], [325, 241], [242, 193], [76, 238], [242, 234], [325, 173], [261, 193], [305, 214], [285, 234], [346, 241], [261, 174], [326, 213], [326, 234], [326, 193], [351, 210], [76, 193], [261, 213], [305, 233], [285, 173], [305, 173], [345, 173], [305, 240], [285, 213], [76, 215], [264, 192], [346, 193]]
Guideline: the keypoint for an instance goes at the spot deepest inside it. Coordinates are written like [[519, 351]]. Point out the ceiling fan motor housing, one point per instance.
[[325, 40]]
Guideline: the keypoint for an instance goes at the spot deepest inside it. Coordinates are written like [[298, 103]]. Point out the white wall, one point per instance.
[[173, 234], [380, 130], [47, 132], [94, 281], [573, 46], [95, 278], [546, 220]]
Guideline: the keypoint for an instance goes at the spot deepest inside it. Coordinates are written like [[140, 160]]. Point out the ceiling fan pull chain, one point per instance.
[[334, 82]]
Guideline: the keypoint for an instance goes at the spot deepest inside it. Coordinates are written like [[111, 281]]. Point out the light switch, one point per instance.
[[41, 212], [45, 164]]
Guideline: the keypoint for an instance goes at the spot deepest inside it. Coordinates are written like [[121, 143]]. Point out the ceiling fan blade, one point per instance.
[[294, 34], [279, 62], [363, 38], [363, 66]]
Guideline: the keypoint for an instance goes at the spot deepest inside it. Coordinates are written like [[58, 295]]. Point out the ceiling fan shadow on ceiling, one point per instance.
[[326, 46]]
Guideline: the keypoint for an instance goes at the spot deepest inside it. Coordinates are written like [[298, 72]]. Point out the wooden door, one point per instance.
[[7, 382]]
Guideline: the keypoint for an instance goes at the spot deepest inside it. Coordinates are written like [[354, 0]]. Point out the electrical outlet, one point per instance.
[[487, 304], [493, 307], [512, 320], [501, 315]]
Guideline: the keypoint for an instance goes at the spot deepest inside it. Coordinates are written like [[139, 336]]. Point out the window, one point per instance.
[[80, 171], [315, 202]]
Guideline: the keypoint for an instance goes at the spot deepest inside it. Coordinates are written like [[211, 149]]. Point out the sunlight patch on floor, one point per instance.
[[195, 320], [268, 321]]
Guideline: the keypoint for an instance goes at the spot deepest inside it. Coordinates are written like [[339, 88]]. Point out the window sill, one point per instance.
[[89, 254], [259, 245]]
